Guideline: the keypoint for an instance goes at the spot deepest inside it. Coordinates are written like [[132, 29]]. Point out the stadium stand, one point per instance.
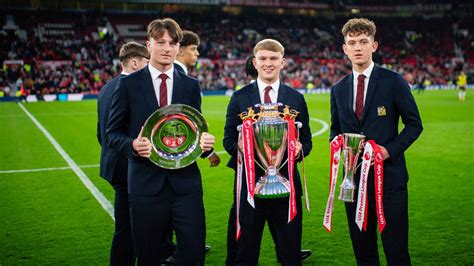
[[72, 52]]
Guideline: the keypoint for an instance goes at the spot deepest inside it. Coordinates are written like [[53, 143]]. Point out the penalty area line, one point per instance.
[[106, 205], [45, 169]]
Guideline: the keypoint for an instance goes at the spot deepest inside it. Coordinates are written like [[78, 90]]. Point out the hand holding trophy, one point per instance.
[[178, 136]]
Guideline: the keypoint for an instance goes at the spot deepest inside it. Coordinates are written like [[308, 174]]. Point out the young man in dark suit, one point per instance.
[[188, 52], [187, 57], [158, 195], [371, 101], [231, 227], [113, 165], [269, 62]]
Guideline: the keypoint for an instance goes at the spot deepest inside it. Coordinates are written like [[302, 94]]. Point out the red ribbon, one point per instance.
[[292, 210], [371, 150], [238, 191], [362, 198], [249, 160], [378, 174], [246, 136], [336, 145]]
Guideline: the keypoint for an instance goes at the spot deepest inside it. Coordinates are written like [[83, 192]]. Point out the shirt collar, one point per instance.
[[182, 66], [366, 72], [262, 85], [124, 73], [155, 73]]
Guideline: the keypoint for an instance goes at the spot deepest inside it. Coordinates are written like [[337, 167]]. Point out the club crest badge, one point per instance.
[[381, 111]]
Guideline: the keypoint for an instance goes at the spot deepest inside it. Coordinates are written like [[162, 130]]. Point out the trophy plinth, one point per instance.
[[272, 185]]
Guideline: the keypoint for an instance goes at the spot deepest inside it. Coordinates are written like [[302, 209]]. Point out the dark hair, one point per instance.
[[189, 38], [250, 69], [132, 50], [157, 28], [357, 26]]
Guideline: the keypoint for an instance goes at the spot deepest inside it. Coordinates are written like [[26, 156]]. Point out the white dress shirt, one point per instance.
[[155, 77], [185, 68], [355, 74], [273, 93]]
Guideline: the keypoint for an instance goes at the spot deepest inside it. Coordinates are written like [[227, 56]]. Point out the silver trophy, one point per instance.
[[351, 150], [270, 143]]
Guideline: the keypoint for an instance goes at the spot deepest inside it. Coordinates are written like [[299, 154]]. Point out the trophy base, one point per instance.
[[272, 187], [347, 191]]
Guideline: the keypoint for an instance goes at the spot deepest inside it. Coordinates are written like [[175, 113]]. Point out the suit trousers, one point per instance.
[[150, 225], [288, 235], [395, 234], [122, 251], [232, 242]]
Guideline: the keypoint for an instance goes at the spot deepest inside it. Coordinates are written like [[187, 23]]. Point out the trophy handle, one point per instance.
[[298, 126]]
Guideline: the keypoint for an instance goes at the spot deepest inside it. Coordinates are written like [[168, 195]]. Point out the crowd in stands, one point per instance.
[[425, 51]]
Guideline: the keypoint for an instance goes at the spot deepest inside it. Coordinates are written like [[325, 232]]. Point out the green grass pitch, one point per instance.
[[49, 217]]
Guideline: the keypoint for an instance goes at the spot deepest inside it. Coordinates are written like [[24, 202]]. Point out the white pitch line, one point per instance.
[[82, 176], [46, 169], [321, 131], [50, 114]]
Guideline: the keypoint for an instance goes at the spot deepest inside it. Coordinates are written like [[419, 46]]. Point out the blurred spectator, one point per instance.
[[83, 64]]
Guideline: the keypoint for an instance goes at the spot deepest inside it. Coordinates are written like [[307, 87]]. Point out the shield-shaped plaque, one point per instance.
[[174, 132]]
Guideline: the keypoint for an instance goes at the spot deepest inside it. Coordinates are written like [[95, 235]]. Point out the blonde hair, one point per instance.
[[357, 26], [269, 45]]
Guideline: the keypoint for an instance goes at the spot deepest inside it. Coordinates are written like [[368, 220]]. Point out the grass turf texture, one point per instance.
[[49, 217]]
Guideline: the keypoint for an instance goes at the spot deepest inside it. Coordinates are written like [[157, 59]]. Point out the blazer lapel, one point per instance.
[[148, 89], [177, 88], [282, 90], [370, 91], [350, 97], [254, 95]]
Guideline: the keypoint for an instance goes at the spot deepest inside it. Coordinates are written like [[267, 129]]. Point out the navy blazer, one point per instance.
[[248, 96], [388, 99], [133, 102], [179, 68], [112, 164]]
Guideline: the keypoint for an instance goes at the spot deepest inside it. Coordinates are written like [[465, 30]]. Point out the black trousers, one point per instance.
[[122, 251], [288, 235], [395, 234], [150, 225], [232, 242]]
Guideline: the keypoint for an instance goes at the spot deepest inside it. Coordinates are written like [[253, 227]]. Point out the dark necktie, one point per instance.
[[360, 97], [266, 98], [163, 90]]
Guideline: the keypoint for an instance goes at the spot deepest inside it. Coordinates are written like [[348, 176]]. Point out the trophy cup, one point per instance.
[[352, 147], [270, 143]]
